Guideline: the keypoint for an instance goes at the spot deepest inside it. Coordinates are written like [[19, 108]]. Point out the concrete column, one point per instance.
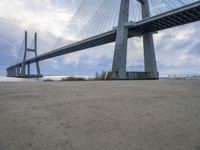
[[120, 54], [37, 63], [11, 72], [149, 52], [29, 69], [14, 71], [23, 71], [18, 70]]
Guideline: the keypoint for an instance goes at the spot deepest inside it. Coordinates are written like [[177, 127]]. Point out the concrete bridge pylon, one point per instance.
[[27, 73], [120, 54], [24, 70]]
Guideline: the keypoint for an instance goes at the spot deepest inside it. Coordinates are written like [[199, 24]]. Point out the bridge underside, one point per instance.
[[181, 16], [177, 17]]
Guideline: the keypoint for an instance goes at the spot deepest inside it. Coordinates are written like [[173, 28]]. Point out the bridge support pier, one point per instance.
[[120, 54], [149, 52], [29, 69], [18, 70]]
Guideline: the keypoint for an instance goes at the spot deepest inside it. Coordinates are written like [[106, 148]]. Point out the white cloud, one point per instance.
[[43, 15], [178, 47]]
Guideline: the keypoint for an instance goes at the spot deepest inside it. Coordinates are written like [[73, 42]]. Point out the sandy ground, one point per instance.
[[97, 115]]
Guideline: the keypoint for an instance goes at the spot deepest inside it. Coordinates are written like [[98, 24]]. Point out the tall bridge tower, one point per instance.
[[23, 70], [25, 73], [120, 54]]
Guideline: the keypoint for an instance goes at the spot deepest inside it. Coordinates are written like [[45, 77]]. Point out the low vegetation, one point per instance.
[[98, 76], [73, 79], [48, 80], [103, 76]]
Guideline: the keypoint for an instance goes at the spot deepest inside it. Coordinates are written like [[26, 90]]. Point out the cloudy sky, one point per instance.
[[177, 49]]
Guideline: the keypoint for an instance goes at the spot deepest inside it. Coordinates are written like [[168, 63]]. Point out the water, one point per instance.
[[6, 79], [58, 78], [54, 78]]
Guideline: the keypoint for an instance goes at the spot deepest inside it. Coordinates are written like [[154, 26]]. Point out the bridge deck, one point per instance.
[[180, 16], [187, 14]]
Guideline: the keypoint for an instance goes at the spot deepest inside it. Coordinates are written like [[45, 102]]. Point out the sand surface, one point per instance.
[[100, 115]]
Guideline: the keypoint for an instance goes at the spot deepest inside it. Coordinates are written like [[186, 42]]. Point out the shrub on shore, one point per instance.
[[73, 79], [48, 80]]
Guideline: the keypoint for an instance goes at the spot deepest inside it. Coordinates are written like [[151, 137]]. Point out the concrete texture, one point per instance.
[[150, 64], [98, 115], [120, 53]]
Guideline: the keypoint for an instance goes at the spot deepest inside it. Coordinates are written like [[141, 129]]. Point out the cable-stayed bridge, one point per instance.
[[134, 18]]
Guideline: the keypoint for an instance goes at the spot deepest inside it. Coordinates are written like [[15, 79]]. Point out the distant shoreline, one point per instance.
[[63, 78]]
